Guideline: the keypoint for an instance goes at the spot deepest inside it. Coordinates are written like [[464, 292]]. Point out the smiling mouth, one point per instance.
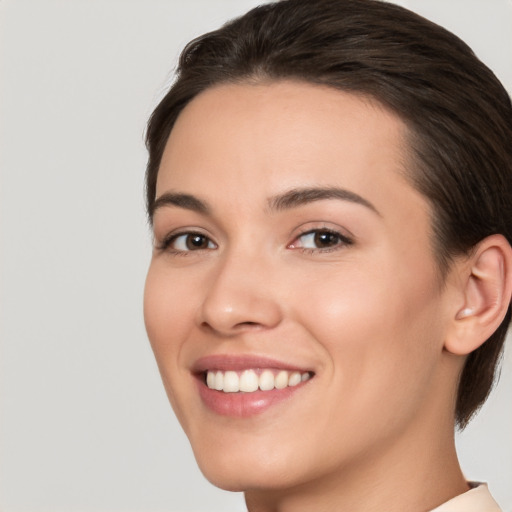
[[251, 380]]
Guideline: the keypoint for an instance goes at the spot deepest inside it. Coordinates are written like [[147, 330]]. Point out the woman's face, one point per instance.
[[290, 252]]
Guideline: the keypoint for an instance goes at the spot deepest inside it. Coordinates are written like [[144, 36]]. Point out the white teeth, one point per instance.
[[210, 380], [281, 380], [219, 381], [231, 382], [266, 380], [295, 378], [249, 381]]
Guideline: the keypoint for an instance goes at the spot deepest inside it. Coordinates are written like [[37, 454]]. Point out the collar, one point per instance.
[[477, 499]]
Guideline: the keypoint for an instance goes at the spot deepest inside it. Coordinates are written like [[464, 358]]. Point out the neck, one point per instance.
[[412, 472]]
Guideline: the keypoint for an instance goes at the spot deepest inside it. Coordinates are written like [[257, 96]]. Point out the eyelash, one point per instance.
[[165, 245], [342, 241]]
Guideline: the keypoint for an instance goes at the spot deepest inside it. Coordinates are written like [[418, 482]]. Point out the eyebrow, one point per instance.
[[301, 196], [186, 201], [288, 200]]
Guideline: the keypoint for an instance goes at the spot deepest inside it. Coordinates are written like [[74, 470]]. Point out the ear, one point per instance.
[[485, 282]]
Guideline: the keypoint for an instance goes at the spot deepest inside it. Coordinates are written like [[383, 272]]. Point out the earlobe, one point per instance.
[[486, 288]]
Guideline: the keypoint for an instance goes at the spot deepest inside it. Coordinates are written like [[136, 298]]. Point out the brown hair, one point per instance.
[[458, 114]]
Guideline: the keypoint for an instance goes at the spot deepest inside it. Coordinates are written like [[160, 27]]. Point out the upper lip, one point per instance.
[[237, 362]]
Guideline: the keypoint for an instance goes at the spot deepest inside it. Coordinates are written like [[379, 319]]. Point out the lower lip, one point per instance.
[[244, 405]]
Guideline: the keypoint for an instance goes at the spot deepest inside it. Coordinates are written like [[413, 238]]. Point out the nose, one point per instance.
[[240, 296]]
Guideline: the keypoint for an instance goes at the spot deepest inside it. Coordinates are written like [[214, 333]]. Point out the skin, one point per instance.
[[373, 429]]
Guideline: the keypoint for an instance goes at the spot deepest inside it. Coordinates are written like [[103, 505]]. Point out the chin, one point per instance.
[[248, 469], [248, 478]]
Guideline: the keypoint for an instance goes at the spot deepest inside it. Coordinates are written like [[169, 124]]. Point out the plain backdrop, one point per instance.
[[84, 421]]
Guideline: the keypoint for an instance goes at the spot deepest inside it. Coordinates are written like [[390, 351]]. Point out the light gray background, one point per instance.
[[84, 422]]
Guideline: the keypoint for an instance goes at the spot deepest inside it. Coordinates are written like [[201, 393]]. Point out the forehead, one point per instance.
[[280, 128], [261, 140]]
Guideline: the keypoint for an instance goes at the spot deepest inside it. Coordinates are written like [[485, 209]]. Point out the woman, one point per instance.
[[329, 185]]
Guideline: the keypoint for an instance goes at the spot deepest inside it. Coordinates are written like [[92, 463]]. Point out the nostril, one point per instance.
[[249, 326]]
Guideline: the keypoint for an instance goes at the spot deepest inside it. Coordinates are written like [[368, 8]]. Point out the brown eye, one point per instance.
[[194, 242], [324, 239], [321, 239], [186, 242]]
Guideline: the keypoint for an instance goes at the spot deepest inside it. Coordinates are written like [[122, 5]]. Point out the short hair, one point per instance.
[[458, 115]]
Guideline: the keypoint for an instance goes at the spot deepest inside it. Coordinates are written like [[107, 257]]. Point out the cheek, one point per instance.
[[169, 306], [381, 332], [167, 318], [167, 309]]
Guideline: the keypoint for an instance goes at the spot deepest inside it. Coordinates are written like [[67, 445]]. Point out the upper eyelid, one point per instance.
[[182, 230], [171, 236], [168, 225], [345, 239], [313, 226], [307, 231]]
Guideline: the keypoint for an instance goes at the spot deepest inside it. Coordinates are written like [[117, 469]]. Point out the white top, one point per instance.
[[477, 499]]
